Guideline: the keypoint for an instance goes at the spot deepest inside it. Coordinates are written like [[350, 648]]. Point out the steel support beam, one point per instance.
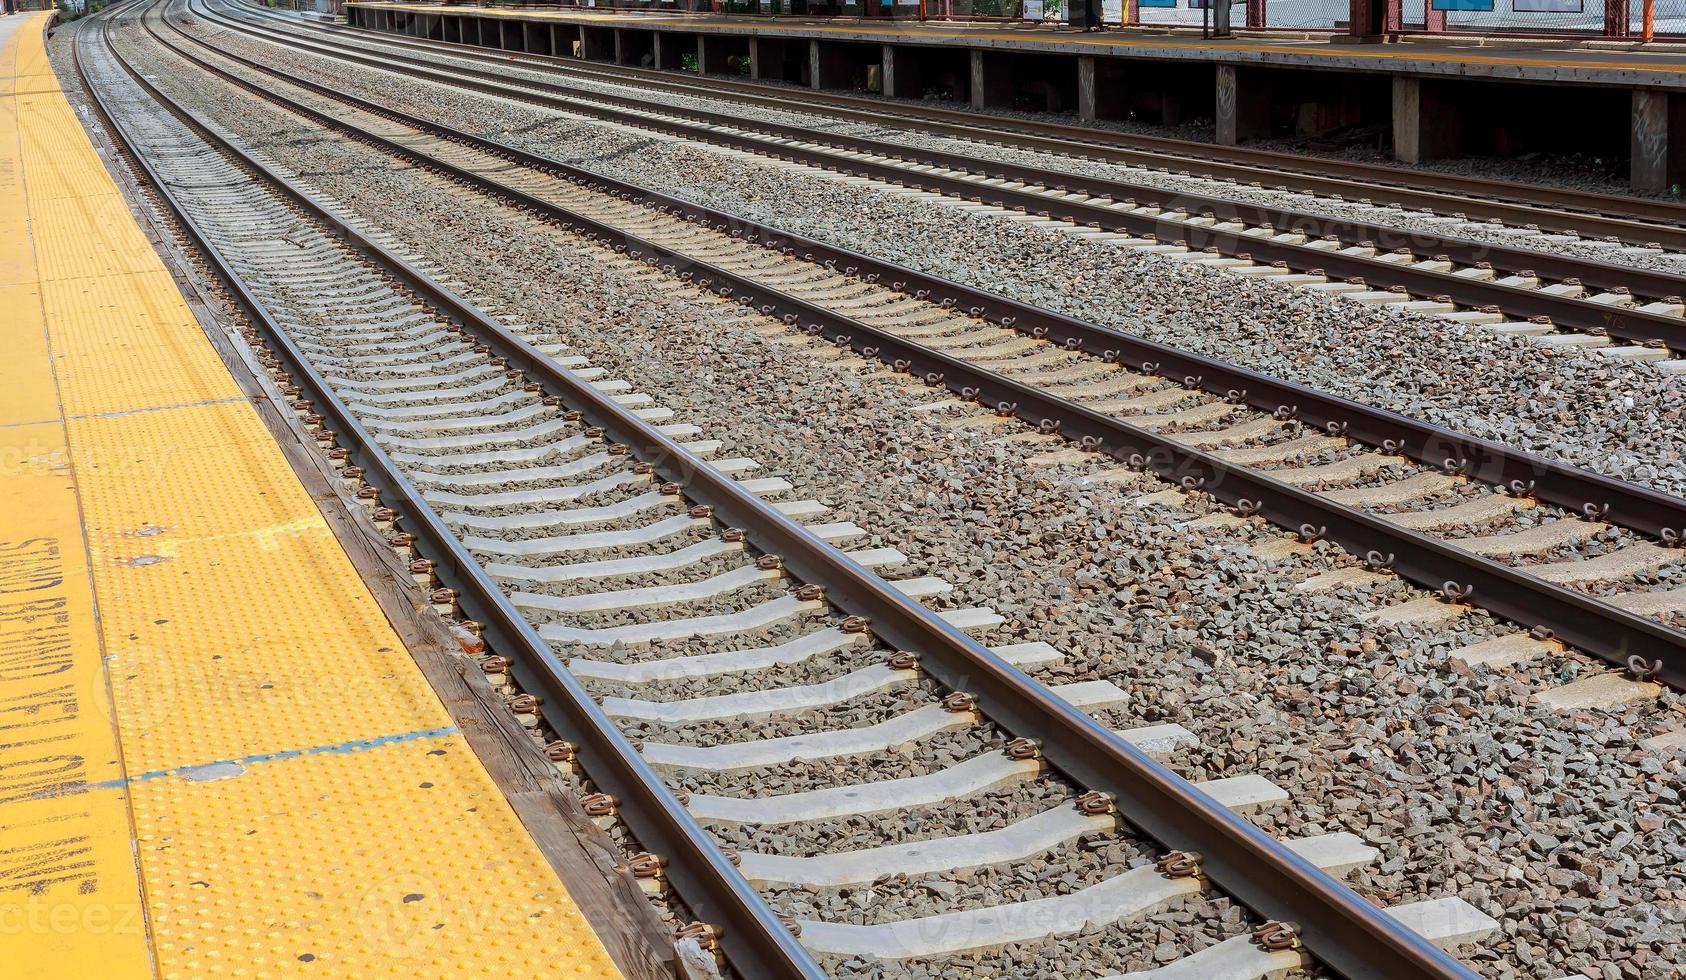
[[1616, 15]]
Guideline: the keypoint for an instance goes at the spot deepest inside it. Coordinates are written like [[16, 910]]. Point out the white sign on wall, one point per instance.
[[1032, 9]]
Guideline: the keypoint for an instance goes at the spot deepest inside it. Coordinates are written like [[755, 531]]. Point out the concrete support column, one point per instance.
[[1227, 108], [977, 79], [755, 63], [828, 66], [1086, 88], [711, 55], [594, 46], [1242, 107], [1658, 140], [620, 46], [887, 70], [1424, 125], [1407, 119], [668, 51]]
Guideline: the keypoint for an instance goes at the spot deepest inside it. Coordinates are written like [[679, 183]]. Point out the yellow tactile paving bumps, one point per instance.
[[238, 734]]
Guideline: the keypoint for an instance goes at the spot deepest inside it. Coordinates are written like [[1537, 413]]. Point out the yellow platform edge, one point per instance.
[[218, 757]]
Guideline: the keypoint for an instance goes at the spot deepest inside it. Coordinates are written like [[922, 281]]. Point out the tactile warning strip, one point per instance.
[[203, 704]]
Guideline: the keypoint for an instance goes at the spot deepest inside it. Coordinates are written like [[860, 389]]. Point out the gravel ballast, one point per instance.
[[1554, 824], [1619, 418]]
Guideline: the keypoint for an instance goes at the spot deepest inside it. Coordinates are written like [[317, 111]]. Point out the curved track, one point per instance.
[[1567, 555], [1630, 219], [1529, 287], [607, 539]]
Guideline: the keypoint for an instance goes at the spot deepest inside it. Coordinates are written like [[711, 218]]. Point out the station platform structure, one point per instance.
[[1434, 95], [219, 754]]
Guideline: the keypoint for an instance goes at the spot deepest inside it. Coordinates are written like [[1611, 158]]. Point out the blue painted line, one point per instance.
[[339, 748], [126, 412], [157, 408]]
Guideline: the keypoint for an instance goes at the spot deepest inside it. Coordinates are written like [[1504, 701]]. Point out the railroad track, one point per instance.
[[1528, 289], [1569, 556], [571, 519], [1627, 219]]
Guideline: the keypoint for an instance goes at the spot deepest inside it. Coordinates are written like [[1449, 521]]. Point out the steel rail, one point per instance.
[[756, 942], [1597, 627], [1339, 928], [1629, 218], [1566, 312]]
